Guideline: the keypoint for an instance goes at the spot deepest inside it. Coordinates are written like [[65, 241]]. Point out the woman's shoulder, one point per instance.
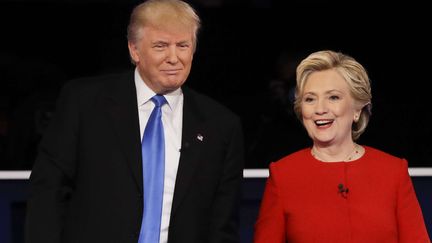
[[384, 160], [378, 153], [294, 159]]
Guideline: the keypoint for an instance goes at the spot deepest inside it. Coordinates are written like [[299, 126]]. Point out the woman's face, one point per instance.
[[327, 107]]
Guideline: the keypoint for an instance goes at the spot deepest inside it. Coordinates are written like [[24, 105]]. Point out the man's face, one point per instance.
[[163, 57]]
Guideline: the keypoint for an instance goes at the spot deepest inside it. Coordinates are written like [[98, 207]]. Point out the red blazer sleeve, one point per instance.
[[411, 224], [270, 224]]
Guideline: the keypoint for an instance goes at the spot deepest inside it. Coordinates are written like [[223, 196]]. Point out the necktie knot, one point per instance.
[[159, 100]]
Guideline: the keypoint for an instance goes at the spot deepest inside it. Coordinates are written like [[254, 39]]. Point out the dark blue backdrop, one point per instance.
[[13, 195]]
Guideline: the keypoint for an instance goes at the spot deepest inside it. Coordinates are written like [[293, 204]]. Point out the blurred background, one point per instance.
[[246, 58]]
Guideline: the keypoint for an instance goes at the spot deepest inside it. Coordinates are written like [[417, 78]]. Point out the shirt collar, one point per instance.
[[144, 93]]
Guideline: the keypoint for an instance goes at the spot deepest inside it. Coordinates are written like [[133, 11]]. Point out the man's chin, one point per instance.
[[170, 88]]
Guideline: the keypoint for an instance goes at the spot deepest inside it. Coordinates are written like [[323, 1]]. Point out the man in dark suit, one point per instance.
[[87, 181]]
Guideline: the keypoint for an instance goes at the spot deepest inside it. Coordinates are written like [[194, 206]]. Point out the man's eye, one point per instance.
[[184, 46], [159, 45]]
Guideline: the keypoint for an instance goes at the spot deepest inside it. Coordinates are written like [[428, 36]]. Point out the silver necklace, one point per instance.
[[349, 157]]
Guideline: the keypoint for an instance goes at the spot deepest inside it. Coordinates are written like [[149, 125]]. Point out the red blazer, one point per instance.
[[303, 203], [86, 184]]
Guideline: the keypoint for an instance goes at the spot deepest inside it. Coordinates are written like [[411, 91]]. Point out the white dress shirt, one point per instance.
[[172, 118]]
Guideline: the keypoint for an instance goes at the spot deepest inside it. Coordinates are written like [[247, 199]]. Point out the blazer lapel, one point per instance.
[[192, 138], [121, 106]]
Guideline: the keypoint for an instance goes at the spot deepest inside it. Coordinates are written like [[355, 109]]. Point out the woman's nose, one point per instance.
[[321, 107]]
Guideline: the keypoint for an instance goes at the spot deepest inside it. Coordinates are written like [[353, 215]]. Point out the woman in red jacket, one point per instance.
[[338, 190]]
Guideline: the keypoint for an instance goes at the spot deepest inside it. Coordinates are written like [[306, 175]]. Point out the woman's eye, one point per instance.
[[334, 97], [308, 99]]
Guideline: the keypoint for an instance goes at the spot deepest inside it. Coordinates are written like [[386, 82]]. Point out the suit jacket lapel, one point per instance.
[[193, 125], [120, 103]]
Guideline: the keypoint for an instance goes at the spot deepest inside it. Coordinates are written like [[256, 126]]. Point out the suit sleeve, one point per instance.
[[226, 205], [411, 225], [51, 179], [270, 224]]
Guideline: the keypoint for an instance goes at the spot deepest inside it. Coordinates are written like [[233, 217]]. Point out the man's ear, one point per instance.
[[133, 52]]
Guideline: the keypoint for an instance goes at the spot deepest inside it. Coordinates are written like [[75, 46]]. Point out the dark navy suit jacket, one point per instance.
[[86, 183]]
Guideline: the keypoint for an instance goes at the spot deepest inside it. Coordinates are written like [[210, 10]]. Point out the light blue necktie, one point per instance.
[[153, 156]]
